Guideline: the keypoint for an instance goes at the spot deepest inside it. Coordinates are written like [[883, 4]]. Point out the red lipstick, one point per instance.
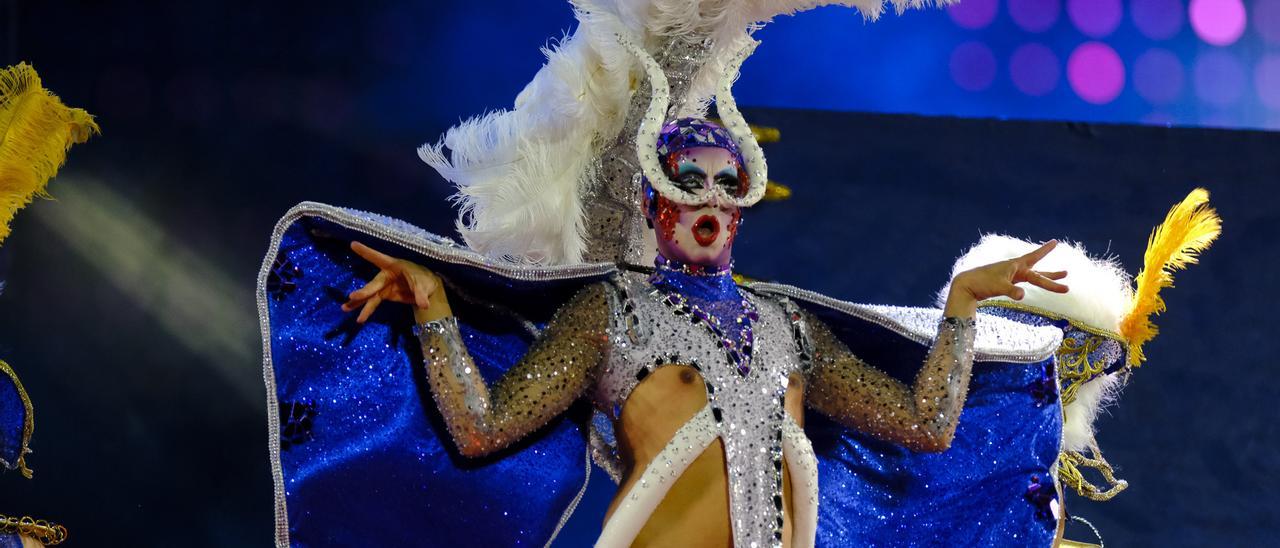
[[705, 230]]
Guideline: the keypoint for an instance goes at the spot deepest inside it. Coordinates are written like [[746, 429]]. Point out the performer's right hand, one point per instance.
[[398, 281]]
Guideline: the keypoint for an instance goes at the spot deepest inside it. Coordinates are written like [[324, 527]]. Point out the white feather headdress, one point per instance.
[[523, 174]]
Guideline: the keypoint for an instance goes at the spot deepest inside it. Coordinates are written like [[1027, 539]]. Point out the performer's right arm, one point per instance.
[[558, 368]]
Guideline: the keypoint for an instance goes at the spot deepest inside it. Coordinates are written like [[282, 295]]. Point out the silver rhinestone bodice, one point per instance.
[[645, 334]]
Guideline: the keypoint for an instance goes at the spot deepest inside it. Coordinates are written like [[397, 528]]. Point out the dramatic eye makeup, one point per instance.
[[690, 177], [728, 181]]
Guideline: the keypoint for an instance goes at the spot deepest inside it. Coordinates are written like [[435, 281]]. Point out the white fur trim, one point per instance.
[[1100, 290], [1078, 416]]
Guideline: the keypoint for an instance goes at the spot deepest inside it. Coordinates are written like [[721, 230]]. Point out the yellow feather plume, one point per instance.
[[36, 130], [1188, 229]]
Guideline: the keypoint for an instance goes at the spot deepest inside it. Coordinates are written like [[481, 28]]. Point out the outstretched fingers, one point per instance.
[[370, 289], [378, 258], [1040, 279], [1030, 259], [369, 307]]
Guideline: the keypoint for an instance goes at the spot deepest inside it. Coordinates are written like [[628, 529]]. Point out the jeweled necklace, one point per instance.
[[672, 281], [664, 264]]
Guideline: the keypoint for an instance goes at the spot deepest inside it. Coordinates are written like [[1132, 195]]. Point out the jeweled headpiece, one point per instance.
[[739, 136], [552, 180], [686, 133]]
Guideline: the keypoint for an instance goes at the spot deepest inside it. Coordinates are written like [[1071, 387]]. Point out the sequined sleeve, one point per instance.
[[922, 417], [557, 369]]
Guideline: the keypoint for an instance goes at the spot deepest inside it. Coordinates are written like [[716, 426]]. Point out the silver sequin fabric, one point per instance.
[[748, 409]]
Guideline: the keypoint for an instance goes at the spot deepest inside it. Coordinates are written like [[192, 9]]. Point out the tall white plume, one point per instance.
[[520, 173], [1100, 292]]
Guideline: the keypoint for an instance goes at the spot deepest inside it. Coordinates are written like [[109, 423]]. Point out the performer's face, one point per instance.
[[701, 234]]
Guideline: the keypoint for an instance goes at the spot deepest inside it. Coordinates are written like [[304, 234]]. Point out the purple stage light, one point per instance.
[[1158, 76], [1219, 78], [1095, 72], [1034, 69], [973, 66], [1266, 81], [1266, 20], [1095, 18], [1220, 119], [973, 14], [1218, 22], [1034, 15], [1159, 119], [1157, 19]]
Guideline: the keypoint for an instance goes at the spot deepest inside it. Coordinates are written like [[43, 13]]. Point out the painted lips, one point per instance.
[[706, 229]]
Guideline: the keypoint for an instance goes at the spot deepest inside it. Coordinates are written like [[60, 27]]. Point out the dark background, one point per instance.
[[129, 311]]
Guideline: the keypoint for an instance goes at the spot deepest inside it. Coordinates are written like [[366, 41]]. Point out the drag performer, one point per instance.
[[547, 336], [36, 130], [552, 300], [746, 364]]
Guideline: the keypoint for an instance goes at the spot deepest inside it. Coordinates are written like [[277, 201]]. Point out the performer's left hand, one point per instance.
[[1001, 279]]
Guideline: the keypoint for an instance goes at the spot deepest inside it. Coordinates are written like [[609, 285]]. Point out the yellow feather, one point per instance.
[[1188, 229], [36, 130]]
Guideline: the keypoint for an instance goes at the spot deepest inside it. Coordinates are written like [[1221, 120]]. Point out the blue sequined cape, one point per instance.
[[15, 420], [15, 433], [360, 455]]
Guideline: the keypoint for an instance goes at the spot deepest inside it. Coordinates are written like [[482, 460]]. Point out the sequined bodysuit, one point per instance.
[[612, 335]]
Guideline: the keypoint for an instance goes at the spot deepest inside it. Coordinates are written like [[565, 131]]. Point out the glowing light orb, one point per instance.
[[1219, 78], [1034, 69], [973, 66], [1218, 22], [1095, 72], [973, 14], [1266, 20], [1034, 15], [1158, 76], [1266, 81], [1095, 18], [1157, 19]]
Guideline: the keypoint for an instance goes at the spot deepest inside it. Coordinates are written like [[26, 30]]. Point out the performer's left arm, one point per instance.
[[922, 416]]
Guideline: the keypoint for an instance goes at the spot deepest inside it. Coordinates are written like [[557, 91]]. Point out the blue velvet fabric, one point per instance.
[[13, 417], [991, 488], [366, 459], [10, 540]]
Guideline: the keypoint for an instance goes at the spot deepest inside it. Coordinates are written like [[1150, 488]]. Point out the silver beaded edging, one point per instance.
[[996, 339], [573, 504], [727, 106]]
